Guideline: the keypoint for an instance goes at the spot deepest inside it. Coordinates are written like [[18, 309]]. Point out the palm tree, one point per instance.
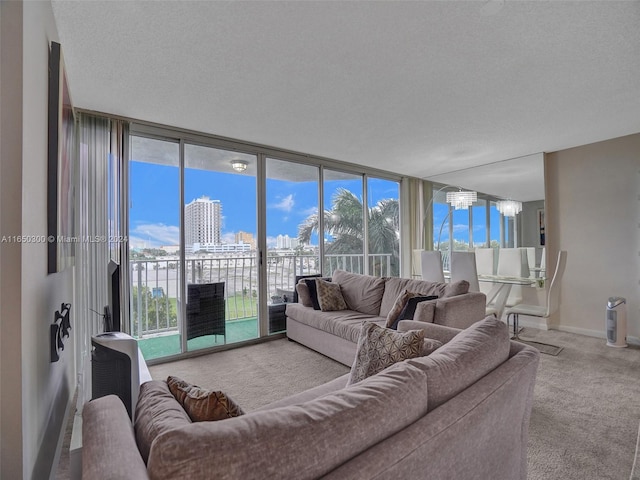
[[344, 222]]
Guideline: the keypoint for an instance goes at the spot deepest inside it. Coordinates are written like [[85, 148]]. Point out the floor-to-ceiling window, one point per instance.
[[221, 229]]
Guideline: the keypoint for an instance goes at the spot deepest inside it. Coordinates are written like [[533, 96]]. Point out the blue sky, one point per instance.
[[155, 210]]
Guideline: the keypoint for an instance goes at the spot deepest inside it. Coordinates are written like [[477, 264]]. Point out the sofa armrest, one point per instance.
[[109, 447], [431, 330], [460, 311]]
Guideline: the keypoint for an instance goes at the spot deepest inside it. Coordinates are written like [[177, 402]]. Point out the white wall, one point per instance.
[[593, 212], [41, 397]]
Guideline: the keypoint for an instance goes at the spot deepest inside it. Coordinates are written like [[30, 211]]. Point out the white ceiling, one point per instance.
[[419, 88]]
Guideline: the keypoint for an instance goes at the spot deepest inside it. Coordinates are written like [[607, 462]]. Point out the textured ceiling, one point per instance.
[[416, 88]]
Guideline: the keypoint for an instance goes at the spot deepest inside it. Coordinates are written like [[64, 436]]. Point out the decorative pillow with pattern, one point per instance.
[[380, 347], [203, 405], [330, 296]]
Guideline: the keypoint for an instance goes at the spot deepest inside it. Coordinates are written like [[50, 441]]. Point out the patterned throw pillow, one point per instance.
[[203, 405], [330, 297], [379, 348]]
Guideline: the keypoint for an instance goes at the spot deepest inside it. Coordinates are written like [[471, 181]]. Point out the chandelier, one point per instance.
[[461, 200], [509, 208]]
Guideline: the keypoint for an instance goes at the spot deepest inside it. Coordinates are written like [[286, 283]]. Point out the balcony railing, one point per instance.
[[155, 284]]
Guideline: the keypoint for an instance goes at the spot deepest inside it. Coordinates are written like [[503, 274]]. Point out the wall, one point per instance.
[[40, 398], [593, 212]]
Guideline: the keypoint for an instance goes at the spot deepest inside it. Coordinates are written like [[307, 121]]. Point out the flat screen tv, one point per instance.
[[112, 310]]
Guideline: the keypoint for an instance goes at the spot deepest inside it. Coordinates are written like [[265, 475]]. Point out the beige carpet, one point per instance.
[[586, 411]]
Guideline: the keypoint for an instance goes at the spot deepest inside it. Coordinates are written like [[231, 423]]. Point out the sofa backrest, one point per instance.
[[394, 286], [302, 441], [469, 356], [363, 293]]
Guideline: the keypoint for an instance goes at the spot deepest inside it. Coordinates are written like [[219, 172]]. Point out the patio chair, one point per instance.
[[205, 310]]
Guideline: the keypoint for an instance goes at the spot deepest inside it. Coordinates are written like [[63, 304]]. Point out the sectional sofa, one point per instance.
[[462, 412], [335, 333]]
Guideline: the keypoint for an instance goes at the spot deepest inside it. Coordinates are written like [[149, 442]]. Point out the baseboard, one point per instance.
[[631, 340]]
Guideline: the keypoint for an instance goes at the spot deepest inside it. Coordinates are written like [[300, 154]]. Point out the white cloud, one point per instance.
[[271, 242], [286, 204], [310, 211], [228, 237], [154, 235]]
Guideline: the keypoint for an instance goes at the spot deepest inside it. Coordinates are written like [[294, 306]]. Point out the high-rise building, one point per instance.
[[202, 222], [246, 237], [286, 242]]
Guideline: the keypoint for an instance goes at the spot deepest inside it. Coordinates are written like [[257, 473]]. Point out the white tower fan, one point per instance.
[[617, 322]]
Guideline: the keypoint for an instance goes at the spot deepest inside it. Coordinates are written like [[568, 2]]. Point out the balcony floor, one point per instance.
[[163, 345]]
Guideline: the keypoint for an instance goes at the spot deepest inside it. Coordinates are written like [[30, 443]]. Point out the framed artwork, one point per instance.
[[541, 228], [60, 167]]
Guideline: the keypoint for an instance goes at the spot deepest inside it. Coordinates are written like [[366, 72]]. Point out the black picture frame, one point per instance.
[[60, 167]]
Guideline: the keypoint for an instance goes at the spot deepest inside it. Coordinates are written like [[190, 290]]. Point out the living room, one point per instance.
[[591, 180]]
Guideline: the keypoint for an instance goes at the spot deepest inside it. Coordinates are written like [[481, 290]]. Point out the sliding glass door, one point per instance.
[[220, 260]]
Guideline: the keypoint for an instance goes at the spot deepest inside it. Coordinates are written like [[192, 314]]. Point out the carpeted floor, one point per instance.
[[585, 417]]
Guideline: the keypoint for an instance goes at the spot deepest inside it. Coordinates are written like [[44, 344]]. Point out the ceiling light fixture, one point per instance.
[[462, 200], [239, 165], [509, 208]]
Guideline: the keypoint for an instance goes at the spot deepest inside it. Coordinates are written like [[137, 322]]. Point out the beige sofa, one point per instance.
[[461, 412], [335, 333]]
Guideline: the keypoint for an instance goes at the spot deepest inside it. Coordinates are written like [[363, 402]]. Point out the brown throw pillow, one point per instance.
[[330, 296], [380, 347], [203, 405]]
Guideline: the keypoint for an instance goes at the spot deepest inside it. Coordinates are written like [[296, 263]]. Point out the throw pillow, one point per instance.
[[329, 296], [410, 308], [396, 310], [203, 405], [379, 348], [457, 288], [302, 295], [313, 292], [429, 346]]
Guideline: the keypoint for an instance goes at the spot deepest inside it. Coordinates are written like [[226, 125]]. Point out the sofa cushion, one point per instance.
[[330, 297], [304, 441], [344, 323], [380, 347], [304, 296], [469, 356], [108, 441], [203, 405], [157, 411], [363, 293], [395, 285]]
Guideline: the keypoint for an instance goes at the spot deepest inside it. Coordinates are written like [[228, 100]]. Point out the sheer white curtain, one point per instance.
[[420, 223], [101, 153]]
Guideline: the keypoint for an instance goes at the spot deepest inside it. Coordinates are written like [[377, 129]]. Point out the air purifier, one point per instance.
[[616, 322]]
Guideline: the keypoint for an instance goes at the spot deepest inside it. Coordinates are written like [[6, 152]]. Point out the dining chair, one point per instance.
[[464, 267], [485, 262], [542, 311], [431, 266], [531, 260], [416, 262], [513, 262]]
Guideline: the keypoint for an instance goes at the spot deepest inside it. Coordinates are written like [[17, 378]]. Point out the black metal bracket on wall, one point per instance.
[[59, 330]]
